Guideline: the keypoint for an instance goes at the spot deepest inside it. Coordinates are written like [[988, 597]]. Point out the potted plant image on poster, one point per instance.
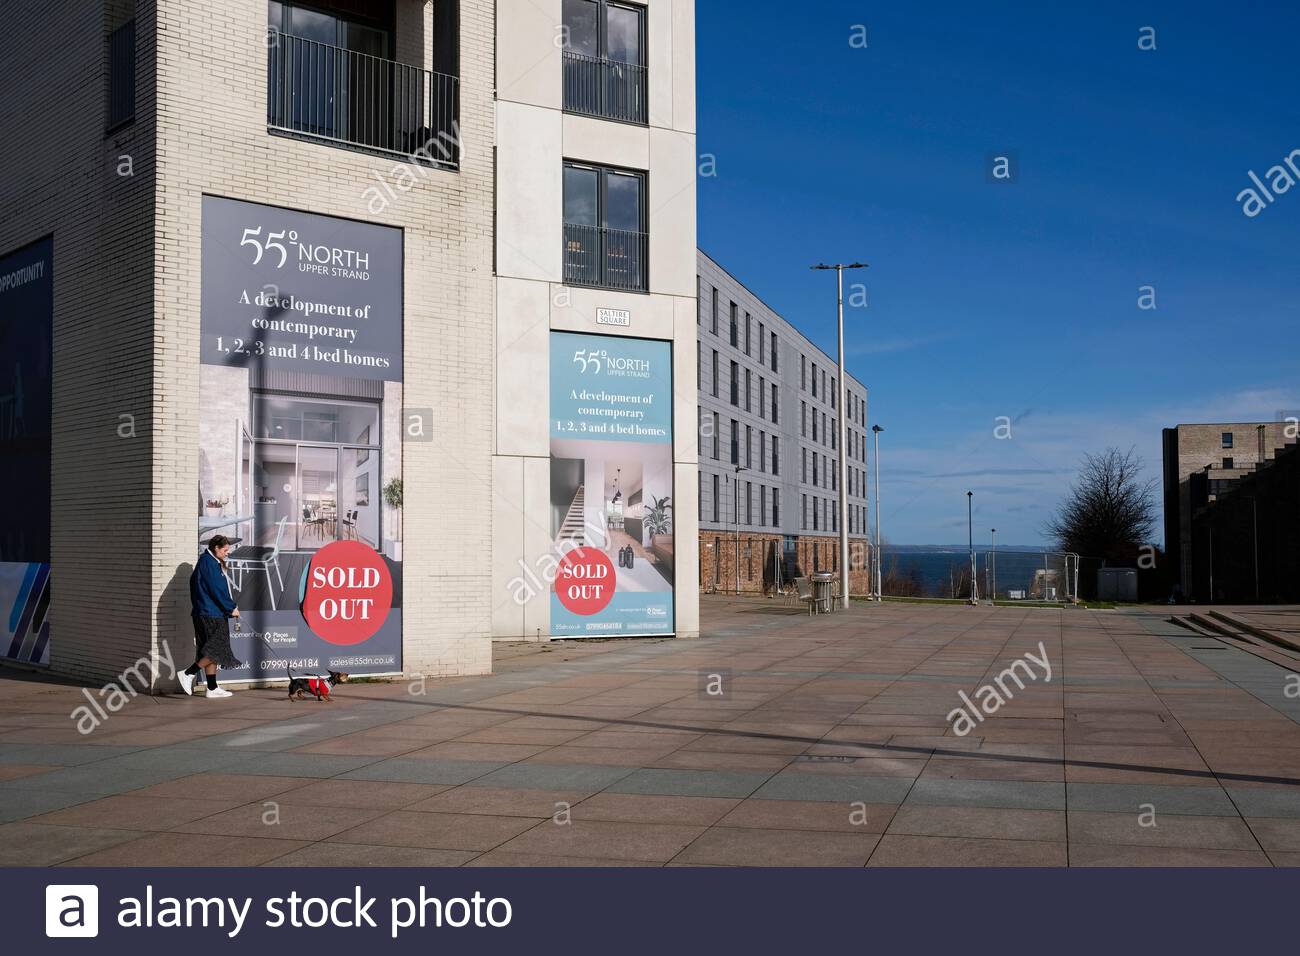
[[300, 435], [611, 486]]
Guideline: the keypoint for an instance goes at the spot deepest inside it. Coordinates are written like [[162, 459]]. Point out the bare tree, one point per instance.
[[1110, 510]]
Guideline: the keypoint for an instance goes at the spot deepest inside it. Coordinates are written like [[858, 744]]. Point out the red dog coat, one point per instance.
[[320, 686]]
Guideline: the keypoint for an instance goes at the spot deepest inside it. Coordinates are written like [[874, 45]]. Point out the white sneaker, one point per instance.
[[187, 682], [220, 692]]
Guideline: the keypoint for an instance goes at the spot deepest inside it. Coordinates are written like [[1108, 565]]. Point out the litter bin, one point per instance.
[[823, 591]]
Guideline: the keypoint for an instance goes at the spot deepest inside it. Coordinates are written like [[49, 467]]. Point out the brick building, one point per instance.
[[1219, 455], [768, 406], [411, 155], [1244, 537]]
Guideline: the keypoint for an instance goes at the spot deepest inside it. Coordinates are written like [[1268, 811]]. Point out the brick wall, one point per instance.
[[721, 553]]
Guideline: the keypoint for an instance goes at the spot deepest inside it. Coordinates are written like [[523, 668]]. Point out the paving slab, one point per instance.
[[831, 747]]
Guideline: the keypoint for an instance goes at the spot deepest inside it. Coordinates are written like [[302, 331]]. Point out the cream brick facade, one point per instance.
[[125, 213]]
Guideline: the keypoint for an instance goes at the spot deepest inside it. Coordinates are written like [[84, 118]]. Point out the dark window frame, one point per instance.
[[603, 173]]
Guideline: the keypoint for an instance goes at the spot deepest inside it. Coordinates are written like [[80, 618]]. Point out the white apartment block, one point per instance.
[[410, 159]]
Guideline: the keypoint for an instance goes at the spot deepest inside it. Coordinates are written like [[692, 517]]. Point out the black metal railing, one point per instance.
[[121, 75], [599, 86], [607, 258], [326, 93]]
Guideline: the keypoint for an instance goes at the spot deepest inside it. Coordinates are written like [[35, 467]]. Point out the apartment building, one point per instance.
[[1201, 462], [294, 273], [769, 445]]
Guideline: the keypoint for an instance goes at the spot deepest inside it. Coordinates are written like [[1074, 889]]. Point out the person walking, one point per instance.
[[211, 606]]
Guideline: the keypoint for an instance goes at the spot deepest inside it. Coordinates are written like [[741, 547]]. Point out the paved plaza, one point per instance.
[[775, 740]]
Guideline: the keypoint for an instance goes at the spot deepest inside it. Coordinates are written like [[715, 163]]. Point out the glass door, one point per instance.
[[317, 501]]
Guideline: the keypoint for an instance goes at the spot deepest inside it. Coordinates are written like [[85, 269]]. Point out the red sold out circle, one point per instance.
[[585, 581], [349, 592]]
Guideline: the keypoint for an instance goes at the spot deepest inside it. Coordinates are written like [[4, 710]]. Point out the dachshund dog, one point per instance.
[[318, 687]]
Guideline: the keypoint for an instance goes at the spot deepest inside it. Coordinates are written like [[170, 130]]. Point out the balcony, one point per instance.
[[610, 89], [332, 95], [606, 258]]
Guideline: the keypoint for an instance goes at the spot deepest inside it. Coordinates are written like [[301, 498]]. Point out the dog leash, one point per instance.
[[272, 652]]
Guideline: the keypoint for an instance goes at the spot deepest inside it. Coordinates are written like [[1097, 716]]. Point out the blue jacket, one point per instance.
[[209, 589]]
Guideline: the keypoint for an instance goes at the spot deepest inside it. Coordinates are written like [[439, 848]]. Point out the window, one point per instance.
[[762, 505], [1227, 439], [776, 455], [715, 315], [814, 457], [121, 75], [762, 451], [749, 446], [715, 501], [735, 384], [803, 418], [605, 242], [735, 327], [776, 508], [332, 76], [762, 395], [803, 453], [605, 60], [762, 334], [1227, 463], [748, 333], [748, 400], [814, 378], [803, 505], [834, 433], [775, 417], [816, 516], [715, 373], [735, 442], [772, 352], [814, 418], [717, 429], [803, 372], [749, 502], [833, 392]]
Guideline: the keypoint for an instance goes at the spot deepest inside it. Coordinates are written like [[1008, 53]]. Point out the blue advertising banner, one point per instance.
[[611, 486], [300, 435], [26, 397]]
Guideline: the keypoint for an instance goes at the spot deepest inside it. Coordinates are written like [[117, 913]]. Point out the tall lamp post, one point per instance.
[[735, 518], [970, 533], [875, 434], [843, 463], [993, 564]]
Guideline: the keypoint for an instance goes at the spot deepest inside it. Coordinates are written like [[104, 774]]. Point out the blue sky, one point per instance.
[[1014, 299]]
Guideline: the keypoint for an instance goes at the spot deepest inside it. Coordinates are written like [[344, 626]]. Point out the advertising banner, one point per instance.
[[611, 486], [300, 435], [26, 397]]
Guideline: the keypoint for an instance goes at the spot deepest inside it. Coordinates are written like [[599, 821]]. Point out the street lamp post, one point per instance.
[[993, 564], [875, 434], [970, 533], [843, 463], [735, 518]]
